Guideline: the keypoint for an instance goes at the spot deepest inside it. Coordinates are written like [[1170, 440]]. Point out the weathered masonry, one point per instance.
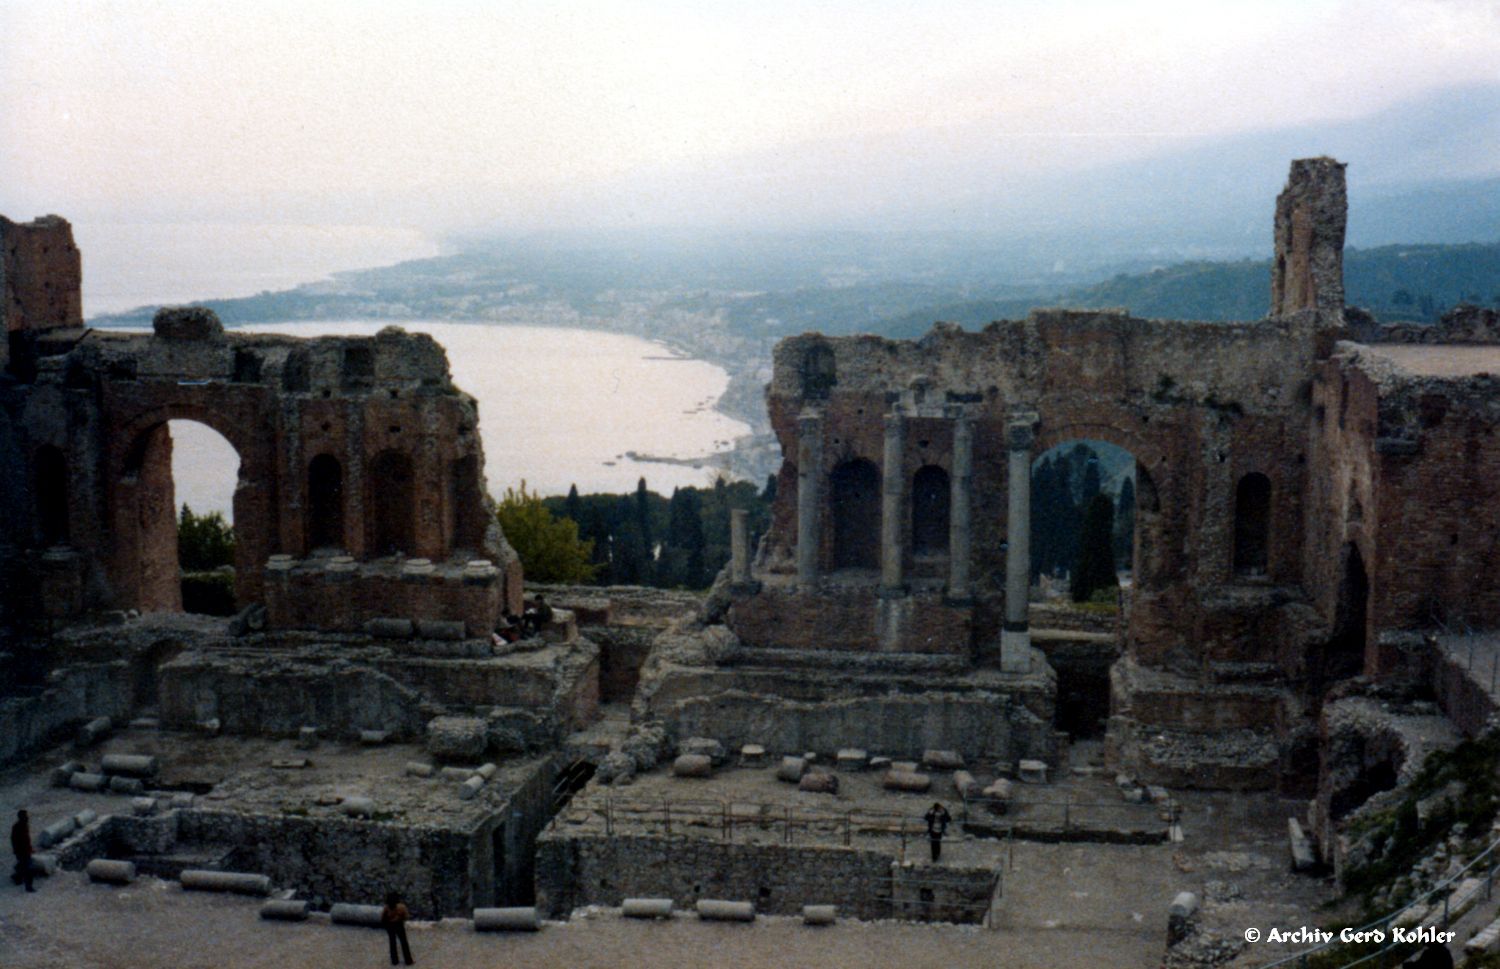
[[361, 490], [1302, 502]]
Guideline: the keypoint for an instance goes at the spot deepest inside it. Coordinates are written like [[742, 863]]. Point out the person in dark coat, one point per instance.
[[937, 825], [394, 917], [20, 845]]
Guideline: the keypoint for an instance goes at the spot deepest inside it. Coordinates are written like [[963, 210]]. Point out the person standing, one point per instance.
[[937, 825], [20, 844], [394, 917]]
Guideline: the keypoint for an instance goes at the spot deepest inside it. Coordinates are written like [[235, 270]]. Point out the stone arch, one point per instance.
[[50, 488], [1252, 524], [325, 503], [854, 503], [930, 499], [141, 505], [390, 510], [1345, 654]]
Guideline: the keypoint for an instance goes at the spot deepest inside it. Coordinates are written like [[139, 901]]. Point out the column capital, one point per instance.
[[1020, 435]]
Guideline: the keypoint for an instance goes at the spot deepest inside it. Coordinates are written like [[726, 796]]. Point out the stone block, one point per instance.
[[344, 913], [358, 807], [791, 770], [819, 914], [942, 760], [1157, 794], [457, 738], [909, 781], [880, 763], [1033, 771], [693, 765], [130, 765], [646, 908], [88, 782], [706, 746], [145, 723], [967, 787], [126, 785], [85, 817], [752, 755], [719, 910], [819, 782], [470, 788], [506, 920], [487, 771], [459, 774], [904, 766], [63, 773], [110, 872], [143, 806], [1303, 858], [373, 738], [233, 882], [852, 759], [284, 910], [94, 731], [211, 726], [307, 738], [56, 833], [416, 768], [997, 796]]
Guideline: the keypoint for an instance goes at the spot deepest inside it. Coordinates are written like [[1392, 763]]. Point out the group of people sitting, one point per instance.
[[535, 615]]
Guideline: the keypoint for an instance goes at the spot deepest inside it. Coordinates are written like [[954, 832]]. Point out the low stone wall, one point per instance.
[[276, 696], [346, 860], [852, 618], [604, 870], [73, 695]]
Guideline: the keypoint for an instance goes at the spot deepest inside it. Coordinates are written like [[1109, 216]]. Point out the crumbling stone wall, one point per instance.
[[333, 428]]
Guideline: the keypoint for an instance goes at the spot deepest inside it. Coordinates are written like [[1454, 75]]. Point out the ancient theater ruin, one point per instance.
[[1316, 564]]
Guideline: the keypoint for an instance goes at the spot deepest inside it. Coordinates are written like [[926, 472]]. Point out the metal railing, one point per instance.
[[1427, 900]]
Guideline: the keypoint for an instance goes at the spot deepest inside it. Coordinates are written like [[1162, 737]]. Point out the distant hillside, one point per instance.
[[1412, 283]]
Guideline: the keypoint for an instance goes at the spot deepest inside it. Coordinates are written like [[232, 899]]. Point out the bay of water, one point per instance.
[[557, 407]]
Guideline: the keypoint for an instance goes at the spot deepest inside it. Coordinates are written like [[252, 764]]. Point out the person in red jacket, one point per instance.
[[394, 917]]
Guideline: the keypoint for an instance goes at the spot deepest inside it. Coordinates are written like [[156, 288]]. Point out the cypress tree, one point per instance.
[[1096, 558]]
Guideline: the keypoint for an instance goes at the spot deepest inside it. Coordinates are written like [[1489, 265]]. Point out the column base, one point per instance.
[[893, 591], [1015, 651]]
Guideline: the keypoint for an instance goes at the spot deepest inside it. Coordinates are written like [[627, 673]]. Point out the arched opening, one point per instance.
[[1087, 497], [174, 520], [1252, 524], [325, 503], [389, 515], [854, 500], [1345, 655], [50, 482], [930, 496]]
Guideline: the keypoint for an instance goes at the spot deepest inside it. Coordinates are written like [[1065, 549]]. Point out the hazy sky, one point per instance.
[[442, 115]]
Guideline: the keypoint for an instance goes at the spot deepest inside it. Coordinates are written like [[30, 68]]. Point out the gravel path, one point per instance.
[[71, 923]]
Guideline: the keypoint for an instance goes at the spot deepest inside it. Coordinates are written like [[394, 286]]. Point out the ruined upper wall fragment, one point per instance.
[[1311, 214], [187, 323], [41, 276]]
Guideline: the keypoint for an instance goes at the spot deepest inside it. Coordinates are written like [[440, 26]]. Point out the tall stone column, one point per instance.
[[739, 547], [1015, 637], [959, 533], [809, 493], [892, 502]]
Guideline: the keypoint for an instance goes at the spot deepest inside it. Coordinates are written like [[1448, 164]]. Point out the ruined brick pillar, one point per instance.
[[892, 502], [1015, 636], [959, 534], [1308, 270], [809, 488]]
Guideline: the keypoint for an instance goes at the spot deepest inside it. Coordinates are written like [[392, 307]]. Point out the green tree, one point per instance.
[[1096, 558], [550, 548], [204, 542]]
